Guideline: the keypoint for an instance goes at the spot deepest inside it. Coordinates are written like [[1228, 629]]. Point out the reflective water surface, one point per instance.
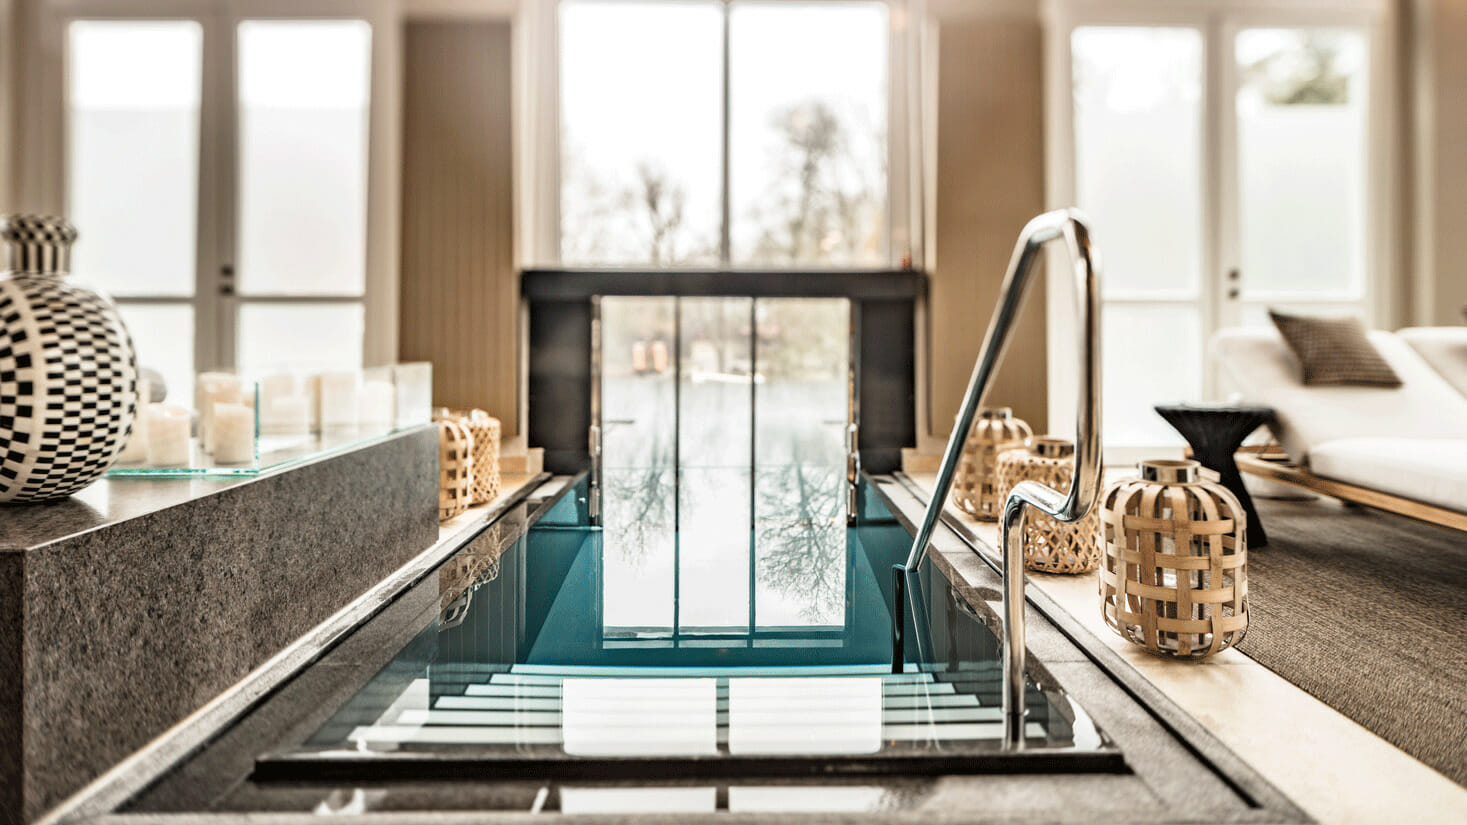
[[521, 665]]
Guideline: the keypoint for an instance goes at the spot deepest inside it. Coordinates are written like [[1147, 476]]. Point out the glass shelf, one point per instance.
[[403, 402], [275, 452]]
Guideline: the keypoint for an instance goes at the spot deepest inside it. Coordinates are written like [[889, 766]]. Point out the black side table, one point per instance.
[[1215, 434]]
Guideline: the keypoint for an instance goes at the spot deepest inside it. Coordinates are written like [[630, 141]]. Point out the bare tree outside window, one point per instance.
[[643, 148], [820, 208], [1302, 68]]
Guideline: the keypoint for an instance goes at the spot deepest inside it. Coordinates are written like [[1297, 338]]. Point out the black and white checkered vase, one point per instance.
[[68, 375]]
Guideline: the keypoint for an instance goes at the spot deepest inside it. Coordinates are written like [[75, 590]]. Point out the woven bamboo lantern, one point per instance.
[[1175, 577], [975, 486], [1050, 545], [455, 468], [485, 429]]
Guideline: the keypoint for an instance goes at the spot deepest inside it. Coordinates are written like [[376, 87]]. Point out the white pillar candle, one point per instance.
[[234, 434], [378, 405], [168, 430], [340, 407], [275, 388], [288, 416], [215, 388]]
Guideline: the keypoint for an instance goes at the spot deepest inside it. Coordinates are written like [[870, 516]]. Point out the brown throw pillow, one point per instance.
[[1334, 351]]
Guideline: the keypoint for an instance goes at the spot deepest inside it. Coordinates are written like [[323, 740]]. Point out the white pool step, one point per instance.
[[520, 717], [644, 672], [551, 701], [666, 711], [518, 678], [472, 735], [547, 689]]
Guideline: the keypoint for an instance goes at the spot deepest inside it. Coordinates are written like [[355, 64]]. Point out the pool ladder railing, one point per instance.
[[1069, 227]]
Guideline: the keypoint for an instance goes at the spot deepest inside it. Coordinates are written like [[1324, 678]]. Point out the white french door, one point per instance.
[[230, 168], [1232, 161]]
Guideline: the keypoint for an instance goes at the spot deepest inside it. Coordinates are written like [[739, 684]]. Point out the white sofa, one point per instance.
[[1444, 348], [1409, 441]]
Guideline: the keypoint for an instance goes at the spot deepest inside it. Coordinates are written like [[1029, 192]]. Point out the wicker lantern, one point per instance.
[[485, 430], [975, 486], [1050, 545], [1175, 578], [455, 468]]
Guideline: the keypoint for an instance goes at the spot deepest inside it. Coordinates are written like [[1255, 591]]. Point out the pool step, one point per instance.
[[666, 710], [775, 670], [526, 717], [535, 685], [799, 740], [550, 700]]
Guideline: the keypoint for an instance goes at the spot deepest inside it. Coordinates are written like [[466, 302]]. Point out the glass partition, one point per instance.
[[723, 466]]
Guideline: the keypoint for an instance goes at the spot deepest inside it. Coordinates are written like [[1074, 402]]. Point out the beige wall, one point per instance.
[[989, 183], [1438, 37], [459, 300]]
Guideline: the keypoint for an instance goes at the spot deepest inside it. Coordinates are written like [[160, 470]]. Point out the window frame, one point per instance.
[[215, 304], [1218, 21], [538, 150]]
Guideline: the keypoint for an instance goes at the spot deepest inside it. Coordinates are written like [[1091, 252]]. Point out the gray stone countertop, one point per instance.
[[25, 527]]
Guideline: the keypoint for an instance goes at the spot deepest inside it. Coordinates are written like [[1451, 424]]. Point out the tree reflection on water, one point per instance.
[[802, 539]]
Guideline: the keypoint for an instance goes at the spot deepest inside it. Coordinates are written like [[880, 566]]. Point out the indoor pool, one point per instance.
[[524, 671]]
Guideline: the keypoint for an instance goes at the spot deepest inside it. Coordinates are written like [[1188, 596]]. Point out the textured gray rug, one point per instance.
[[1368, 613]]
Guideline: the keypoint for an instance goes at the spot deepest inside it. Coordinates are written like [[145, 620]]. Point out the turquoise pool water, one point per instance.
[[523, 669]]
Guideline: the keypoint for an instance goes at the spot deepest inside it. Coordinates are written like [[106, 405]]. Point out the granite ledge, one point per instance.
[[125, 620], [113, 500]]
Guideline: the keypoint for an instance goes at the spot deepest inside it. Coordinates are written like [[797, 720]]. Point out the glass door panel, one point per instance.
[[1302, 155], [714, 441], [304, 96], [133, 101], [133, 127], [304, 88], [1138, 107], [801, 414], [638, 464], [1138, 155]]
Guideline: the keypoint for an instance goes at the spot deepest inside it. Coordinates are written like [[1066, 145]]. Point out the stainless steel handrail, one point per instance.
[[1069, 226]]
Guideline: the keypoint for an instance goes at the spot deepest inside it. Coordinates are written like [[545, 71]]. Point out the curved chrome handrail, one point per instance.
[[1069, 226]]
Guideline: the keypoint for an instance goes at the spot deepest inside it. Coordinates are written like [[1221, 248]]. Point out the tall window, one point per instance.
[[1228, 165], [704, 133], [217, 168]]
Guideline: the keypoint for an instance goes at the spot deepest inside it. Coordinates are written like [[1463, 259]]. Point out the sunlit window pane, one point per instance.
[[641, 129], [163, 337], [303, 114], [1138, 154], [300, 336], [133, 127], [1302, 162], [808, 120]]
